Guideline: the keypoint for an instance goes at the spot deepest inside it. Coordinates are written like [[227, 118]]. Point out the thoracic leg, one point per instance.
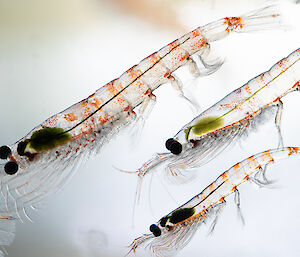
[[193, 67], [210, 66], [278, 122], [177, 85], [144, 112], [237, 200], [218, 212]]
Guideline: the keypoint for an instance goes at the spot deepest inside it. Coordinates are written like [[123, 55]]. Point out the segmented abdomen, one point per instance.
[[228, 181], [119, 97], [248, 100]]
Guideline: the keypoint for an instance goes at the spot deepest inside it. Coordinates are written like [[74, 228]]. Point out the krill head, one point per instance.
[[10, 167]]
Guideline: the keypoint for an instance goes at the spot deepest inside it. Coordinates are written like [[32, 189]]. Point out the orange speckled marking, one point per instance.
[[201, 42], [224, 176], [153, 58], [267, 157], [292, 150], [248, 89], [236, 167], [111, 88], [52, 121], [133, 73], [177, 56], [232, 105], [233, 23], [172, 45], [70, 117], [212, 187], [86, 108], [95, 103], [195, 33], [139, 84], [184, 57], [252, 162], [105, 118]]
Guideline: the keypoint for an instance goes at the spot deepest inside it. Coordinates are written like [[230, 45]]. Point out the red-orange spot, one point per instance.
[[133, 73], [292, 150], [173, 45], [201, 42], [196, 33], [296, 85], [224, 176], [212, 187], [183, 57], [52, 121], [111, 89], [233, 23], [139, 83], [7, 218], [70, 117], [153, 58], [247, 89], [148, 92], [246, 177], [127, 108], [167, 74], [252, 162], [236, 167], [105, 118], [267, 157], [95, 103], [233, 189], [276, 100]]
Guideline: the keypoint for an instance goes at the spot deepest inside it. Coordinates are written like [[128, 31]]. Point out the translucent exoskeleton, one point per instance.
[[174, 231], [213, 130], [41, 162]]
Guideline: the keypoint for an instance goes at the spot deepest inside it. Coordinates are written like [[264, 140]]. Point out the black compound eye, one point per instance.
[[163, 221], [155, 230], [174, 146], [21, 147], [11, 168], [5, 152]]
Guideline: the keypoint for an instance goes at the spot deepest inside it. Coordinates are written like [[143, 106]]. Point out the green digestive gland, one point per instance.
[[205, 125], [181, 215], [48, 138]]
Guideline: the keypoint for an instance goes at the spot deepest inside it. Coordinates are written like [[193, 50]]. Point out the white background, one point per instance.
[[55, 53]]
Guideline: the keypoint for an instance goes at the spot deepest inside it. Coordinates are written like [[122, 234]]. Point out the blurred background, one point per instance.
[[55, 53]]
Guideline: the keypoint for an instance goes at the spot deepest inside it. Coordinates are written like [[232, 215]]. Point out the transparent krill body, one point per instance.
[[174, 231], [208, 134], [43, 160]]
